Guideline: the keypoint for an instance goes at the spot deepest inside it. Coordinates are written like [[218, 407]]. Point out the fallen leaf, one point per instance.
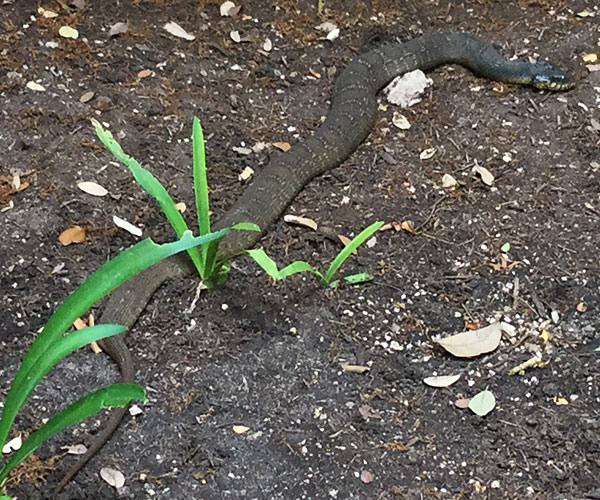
[[395, 446], [505, 248], [483, 403], [135, 410], [75, 234], [448, 181], [75, 449], [301, 221], [87, 96], [240, 429], [400, 121], [92, 188], [407, 226], [174, 29], [485, 174], [48, 14], [283, 146], [461, 402], [314, 73], [503, 264], [360, 369], [246, 174], [144, 73], [113, 477], [426, 154], [366, 477], [68, 32], [35, 86], [226, 8], [367, 411], [13, 445], [585, 13], [473, 343], [128, 226], [441, 380], [117, 29]]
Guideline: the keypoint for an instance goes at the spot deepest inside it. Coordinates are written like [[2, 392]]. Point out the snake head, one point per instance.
[[550, 78]]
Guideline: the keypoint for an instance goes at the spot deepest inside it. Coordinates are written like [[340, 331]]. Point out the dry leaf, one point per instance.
[[75, 234], [448, 181], [226, 8], [48, 14], [92, 188], [407, 226], [113, 477], [366, 477], [144, 73], [426, 154], [462, 402], [354, 368], [87, 96], [400, 121], [68, 32], [128, 226], [284, 146], [75, 449], [301, 221], [486, 175], [35, 86], [246, 174], [504, 265], [240, 429], [178, 31], [13, 445], [117, 29], [314, 73], [473, 343], [441, 380]]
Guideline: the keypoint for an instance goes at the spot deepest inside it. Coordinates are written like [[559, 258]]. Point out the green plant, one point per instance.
[[53, 343], [270, 267], [211, 270]]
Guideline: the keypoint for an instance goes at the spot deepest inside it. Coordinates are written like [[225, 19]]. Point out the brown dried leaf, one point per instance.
[[283, 146], [75, 234], [301, 221]]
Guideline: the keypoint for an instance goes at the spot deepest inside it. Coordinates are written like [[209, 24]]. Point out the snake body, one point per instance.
[[352, 115]]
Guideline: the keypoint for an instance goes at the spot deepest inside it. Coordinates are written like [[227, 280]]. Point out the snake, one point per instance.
[[352, 114]]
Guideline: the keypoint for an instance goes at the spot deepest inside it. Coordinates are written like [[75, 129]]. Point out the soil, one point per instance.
[[268, 355]]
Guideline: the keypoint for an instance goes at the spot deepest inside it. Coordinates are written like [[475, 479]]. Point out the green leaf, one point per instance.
[[482, 403], [267, 264], [357, 241], [246, 226], [597, 348], [201, 191], [357, 278], [505, 248], [119, 269], [152, 186], [297, 266], [115, 395]]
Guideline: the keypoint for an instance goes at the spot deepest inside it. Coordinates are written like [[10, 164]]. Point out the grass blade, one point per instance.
[[357, 241], [151, 185], [108, 397], [119, 269]]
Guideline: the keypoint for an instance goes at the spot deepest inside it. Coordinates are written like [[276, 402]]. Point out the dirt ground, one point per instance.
[[268, 355]]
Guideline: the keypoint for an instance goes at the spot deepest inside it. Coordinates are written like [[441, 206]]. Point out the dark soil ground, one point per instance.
[[267, 355]]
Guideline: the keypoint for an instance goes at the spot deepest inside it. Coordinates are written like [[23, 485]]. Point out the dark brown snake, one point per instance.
[[352, 115]]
